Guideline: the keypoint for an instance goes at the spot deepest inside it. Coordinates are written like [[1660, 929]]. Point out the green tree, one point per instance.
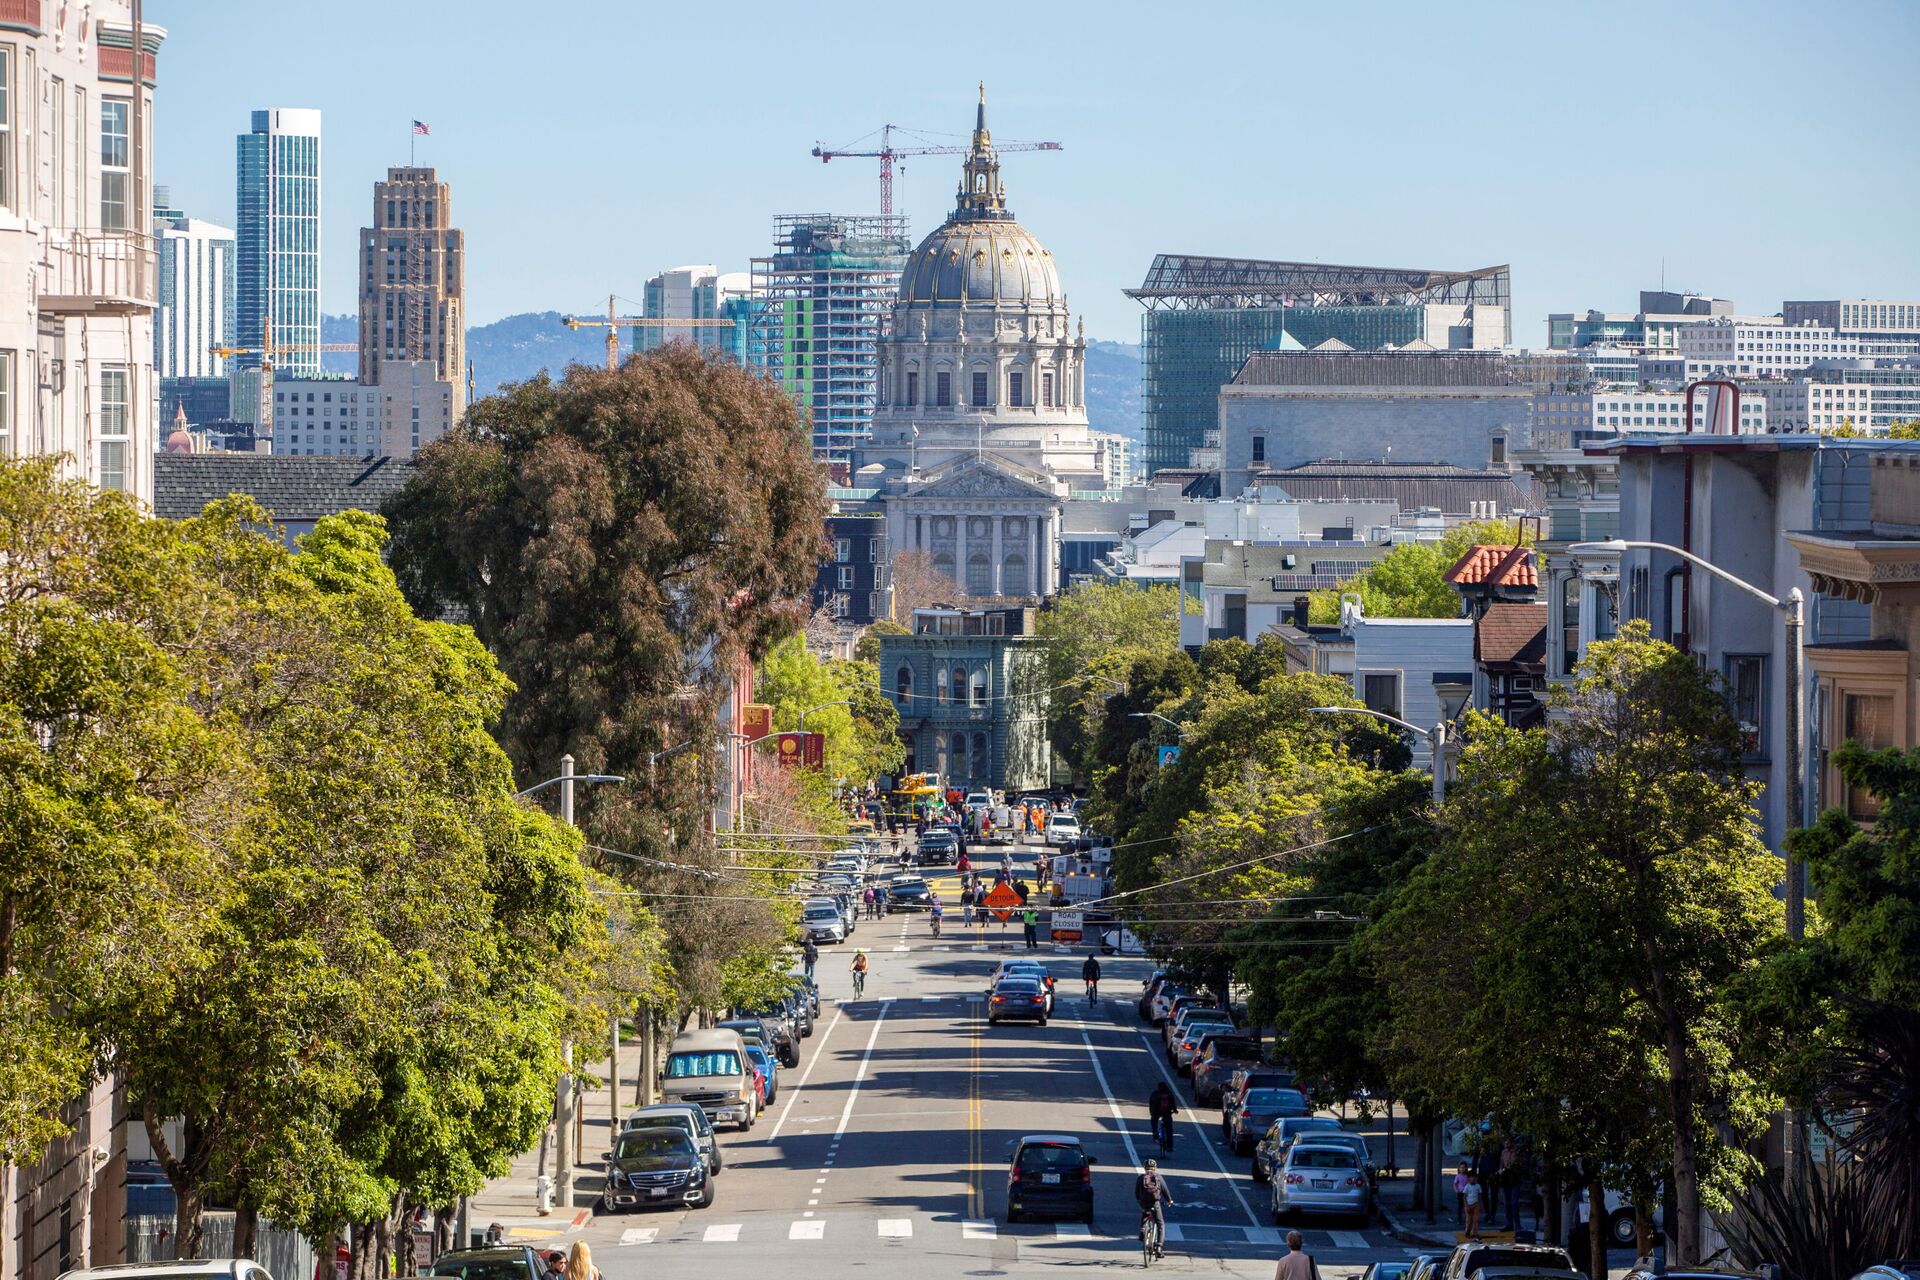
[[1905, 429], [867, 647], [1093, 633], [862, 736], [1410, 580]]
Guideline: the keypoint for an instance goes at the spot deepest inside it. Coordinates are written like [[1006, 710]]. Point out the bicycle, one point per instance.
[[1093, 992], [1152, 1237], [936, 926], [1163, 1131], [859, 982]]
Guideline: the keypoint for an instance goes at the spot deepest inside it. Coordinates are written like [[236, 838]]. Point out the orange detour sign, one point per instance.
[[1002, 901]]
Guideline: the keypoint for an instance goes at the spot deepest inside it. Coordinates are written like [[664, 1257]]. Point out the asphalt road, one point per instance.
[[889, 1143]]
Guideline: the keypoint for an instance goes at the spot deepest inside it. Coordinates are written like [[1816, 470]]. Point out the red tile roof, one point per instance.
[[1493, 566], [1512, 633]]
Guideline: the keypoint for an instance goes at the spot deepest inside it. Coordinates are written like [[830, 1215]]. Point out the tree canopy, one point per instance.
[[1410, 580]]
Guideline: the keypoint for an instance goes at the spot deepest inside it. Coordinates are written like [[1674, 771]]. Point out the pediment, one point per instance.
[[975, 479]]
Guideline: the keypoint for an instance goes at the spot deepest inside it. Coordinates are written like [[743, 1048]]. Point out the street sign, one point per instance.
[[1066, 926], [1002, 900]]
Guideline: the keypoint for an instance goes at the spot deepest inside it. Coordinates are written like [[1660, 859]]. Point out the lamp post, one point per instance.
[[837, 702], [564, 1087], [1179, 729], [1436, 741]]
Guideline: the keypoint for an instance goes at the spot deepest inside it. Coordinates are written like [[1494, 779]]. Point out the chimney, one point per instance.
[[1300, 604]]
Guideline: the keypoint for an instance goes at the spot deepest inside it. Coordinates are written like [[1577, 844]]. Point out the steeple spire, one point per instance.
[[981, 195]]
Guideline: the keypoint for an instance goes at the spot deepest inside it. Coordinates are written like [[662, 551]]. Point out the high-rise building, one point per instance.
[[819, 308], [278, 259], [1205, 316], [413, 294], [194, 312], [1883, 328], [78, 279], [699, 293]]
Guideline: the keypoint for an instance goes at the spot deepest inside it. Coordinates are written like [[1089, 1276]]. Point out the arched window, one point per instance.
[[1013, 575], [982, 763], [940, 684], [912, 764], [958, 771], [960, 686], [903, 686], [940, 758], [979, 574], [980, 687], [943, 563]]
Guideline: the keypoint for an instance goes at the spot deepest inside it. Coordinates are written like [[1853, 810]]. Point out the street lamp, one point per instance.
[[1178, 728], [565, 782], [1793, 616], [1436, 741], [1088, 675], [838, 702]]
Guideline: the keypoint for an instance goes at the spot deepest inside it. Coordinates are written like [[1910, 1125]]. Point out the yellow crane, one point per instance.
[[263, 409], [615, 322]]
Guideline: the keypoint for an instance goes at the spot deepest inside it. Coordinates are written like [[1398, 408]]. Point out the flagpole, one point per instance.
[[411, 135]]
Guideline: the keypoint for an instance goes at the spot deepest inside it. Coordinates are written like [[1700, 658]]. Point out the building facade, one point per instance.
[[819, 306], [1734, 348], [699, 293], [78, 267], [990, 526], [1866, 319], [413, 293], [853, 586], [194, 311], [277, 258], [1565, 416], [324, 417], [1206, 316], [964, 712]]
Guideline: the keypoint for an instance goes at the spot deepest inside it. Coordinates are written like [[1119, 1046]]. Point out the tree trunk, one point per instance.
[[183, 1170], [540, 1155], [1686, 1155], [406, 1261], [246, 1231], [1642, 1228], [364, 1252], [1596, 1229], [1553, 1227], [383, 1246], [443, 1228]]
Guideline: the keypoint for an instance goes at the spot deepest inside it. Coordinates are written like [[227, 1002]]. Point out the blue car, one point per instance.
[[769, 1072]]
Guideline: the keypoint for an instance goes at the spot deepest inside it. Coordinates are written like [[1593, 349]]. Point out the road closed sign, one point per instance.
[[1067, 926]]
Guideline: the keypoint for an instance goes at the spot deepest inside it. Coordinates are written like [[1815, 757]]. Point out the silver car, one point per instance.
[[1320, 1179]]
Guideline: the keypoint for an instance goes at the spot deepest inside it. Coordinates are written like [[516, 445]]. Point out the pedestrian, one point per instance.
[[1031, 919], [809, 956], [555, 1265], [1507, 1183], [1020, 887], [1297, 1263], [1460, 1181], [1472, 1198], [580, 1262]]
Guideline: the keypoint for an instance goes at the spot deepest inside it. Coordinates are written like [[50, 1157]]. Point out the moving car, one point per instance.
[[499, 1262], [1017, 1000], [938, 846], [1320, 1179], [1216, 1062], [1475, 1254], [685, 1117], [656, 1167], [907, 893], [1287, 1130], [1024, 969], [709, 1069], [823, 922], [1051, 1174], [1255, 1112]]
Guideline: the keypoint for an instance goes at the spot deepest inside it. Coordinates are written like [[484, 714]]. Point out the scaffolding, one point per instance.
[[821, 303]]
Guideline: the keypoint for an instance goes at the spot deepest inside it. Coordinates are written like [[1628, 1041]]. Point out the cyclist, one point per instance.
[[1091, 972], [1150, 1192], [859, 970], [935, 910], [1160, 1105]]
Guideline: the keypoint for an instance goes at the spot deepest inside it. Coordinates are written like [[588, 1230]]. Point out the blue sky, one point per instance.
[[1764, 151]]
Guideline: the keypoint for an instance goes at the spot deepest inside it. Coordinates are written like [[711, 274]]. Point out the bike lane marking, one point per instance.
[[1200, 1132], [806, 1075]]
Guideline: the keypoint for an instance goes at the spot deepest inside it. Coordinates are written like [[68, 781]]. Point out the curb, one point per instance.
[[1408, 1235]]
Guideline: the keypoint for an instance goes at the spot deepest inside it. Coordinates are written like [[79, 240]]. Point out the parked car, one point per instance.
[[769, 1072], [1320, 1179], [1355, 1143], [656, 1167], [1255, 1112], [1052, 1174], [907, 893], [1254, 1077], [1475, 1255], [709, 1069], [1283, 1133], [1387, 1271], [685, 1117], [1163, 1000], [1895, 1269], [1184, 1032], [1063, 830], [1545, 1273], [1017, 999], [823, 922], [809, 990], [498, 1262], [1216, 1062], [1150, 988], [205, 1269], [752, 1030], [1427, 1266]]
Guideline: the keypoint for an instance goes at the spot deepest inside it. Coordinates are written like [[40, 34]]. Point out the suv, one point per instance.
[[1050, 1173], [500, 1262], [1063, 830], [937, 847], [1214, 1065], [1476, 1254]]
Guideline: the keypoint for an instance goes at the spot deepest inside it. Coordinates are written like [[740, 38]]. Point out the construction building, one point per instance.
[[413, 294], [1205, 316], [819, 308]]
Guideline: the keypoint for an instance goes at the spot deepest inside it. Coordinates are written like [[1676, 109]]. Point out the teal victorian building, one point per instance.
[[967, 708]]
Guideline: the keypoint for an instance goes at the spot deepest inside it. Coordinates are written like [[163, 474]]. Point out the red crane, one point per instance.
[[888, 153]]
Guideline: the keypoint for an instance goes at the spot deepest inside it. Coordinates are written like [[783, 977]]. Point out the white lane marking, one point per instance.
[[1072, 1229], [814, 1230], [860, 1074], [1160, 1065], [1348, 1240], [896, 1228], [725, 1233], [799, 1088], [1120, 1121], [931, 999], [639, 1235], [903, 948], [976, 1229]]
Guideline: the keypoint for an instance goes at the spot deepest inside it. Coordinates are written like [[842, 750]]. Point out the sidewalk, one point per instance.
[[512, 1201]]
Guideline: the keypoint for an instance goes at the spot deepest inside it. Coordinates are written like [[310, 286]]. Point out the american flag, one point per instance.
[[420, 127]]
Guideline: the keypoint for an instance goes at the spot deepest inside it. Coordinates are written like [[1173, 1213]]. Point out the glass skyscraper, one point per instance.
[[278, 239]]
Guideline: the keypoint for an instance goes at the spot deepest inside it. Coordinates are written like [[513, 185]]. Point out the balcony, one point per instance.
[[97, 273]]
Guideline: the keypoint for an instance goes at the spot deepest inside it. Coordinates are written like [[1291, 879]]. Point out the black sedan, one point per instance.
[[1017, 1000], [657, 1167], [908, 894]]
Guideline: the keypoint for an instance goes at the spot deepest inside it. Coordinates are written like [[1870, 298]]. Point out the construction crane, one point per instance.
[[267, 350], [615, 322], [888, 153]]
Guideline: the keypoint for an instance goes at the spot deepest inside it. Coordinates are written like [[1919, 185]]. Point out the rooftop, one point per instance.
[[293, 489], [1194, 281], [1495, 566], [1334, 368], [1512, 633]]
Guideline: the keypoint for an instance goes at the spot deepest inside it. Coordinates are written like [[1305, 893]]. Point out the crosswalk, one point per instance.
[[769, 1228]]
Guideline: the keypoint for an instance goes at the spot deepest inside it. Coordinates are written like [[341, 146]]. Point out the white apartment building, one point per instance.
[[78, 273], [1114, 454], [325, 416], [1801, 404], [195, 306], [1743, 349], [1627, 410]]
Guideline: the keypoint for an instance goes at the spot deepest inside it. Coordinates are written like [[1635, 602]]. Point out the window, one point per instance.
[[113, 465], [6, 403], [940, 685], [6, 131], [979, 698], [958, 756], [1017, 389], [1499, 456], [979, 387], [1381, 692], [1259, 448], [1868, 720], [943, 389], [913, 386], [1747, 698], [959, 685], [979, 575], [842, 550], [846, 577], [1013, 575], [113, 400], [1046, 389], [116, 213], [903, 683]]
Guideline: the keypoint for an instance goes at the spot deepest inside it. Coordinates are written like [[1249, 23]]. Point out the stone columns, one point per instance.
[[960, 550], [994, 569]]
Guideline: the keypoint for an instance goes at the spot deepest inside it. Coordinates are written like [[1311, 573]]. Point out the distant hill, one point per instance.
[[516, 347]]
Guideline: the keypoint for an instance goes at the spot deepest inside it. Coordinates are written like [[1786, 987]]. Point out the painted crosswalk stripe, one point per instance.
[[1072, 1229], [814, 1230], [930, 999], [896, 1228], [639, 1235], [725, 1233], [1348, 1240], [976, 1229]]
